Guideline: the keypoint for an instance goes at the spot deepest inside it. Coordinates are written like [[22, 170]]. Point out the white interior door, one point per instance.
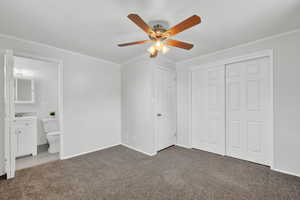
[[208, 109], [248, 110], [165, 84], [9, 132]]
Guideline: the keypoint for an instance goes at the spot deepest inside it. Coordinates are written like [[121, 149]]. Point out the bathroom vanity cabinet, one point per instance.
[[26, 136]]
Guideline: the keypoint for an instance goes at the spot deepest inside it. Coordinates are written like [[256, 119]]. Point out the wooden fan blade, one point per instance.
[[179, 44], [133, 43], [186, 24], [140, 23]]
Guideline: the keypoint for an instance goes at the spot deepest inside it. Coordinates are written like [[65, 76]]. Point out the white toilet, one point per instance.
[[51, 128]]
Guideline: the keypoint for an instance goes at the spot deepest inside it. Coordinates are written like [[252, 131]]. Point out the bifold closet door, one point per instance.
[[208, 109], [248, 110], [165, 87]]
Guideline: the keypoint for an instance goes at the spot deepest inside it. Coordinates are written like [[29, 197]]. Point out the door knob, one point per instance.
[[159, 115]]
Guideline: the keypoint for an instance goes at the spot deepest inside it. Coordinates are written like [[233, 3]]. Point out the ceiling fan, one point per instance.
[[160, 35]]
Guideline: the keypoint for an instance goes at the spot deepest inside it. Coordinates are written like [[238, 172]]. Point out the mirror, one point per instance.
[[24, 90]]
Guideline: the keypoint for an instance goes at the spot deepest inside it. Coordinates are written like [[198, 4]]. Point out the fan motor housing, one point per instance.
[[159, 27]]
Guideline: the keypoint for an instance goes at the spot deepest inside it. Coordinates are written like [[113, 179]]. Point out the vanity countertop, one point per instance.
[[26, 118]]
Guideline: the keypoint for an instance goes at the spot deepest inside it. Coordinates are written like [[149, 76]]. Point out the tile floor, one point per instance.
[[42, 157]]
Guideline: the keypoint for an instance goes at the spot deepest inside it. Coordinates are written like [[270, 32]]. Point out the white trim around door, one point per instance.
[[9, 136]]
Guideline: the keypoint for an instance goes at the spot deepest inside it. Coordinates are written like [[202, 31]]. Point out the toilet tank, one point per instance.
[[50, 125]]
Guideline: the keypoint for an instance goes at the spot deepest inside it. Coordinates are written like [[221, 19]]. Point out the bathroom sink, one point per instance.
[[25, 115]]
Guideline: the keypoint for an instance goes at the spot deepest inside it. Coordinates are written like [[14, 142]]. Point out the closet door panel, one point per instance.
[[208, 109], [248, 99]]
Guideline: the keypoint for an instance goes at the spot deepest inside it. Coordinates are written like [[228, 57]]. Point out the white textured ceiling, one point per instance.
[[95, 27]]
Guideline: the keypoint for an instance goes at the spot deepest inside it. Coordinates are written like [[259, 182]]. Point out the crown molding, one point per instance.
[[10, 37], [239, 46]]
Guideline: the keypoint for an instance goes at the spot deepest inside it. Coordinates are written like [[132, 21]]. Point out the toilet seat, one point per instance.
[[51, 128]]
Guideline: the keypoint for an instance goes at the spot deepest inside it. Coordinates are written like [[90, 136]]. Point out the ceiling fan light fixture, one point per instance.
[[159, 34], [165, 49], [152, 49], [158, 43], [158, 46]]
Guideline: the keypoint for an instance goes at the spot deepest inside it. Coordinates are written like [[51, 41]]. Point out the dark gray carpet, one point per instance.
[[176, 173]]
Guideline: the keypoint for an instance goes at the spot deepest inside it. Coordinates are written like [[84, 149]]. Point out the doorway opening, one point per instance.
[[33, 94], [165, 108]]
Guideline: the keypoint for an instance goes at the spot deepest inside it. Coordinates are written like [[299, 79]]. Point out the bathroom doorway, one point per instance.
[[33, 133]]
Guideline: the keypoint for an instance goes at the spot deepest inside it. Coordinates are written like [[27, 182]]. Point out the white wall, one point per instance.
[[183, 99], [45, 76], [286, 95], [137, 102], [92, 97]]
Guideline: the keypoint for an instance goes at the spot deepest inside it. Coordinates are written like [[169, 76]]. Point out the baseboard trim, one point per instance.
[[183, 146], [91, 151], [285, 172], [138, 150], [148, 154]]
